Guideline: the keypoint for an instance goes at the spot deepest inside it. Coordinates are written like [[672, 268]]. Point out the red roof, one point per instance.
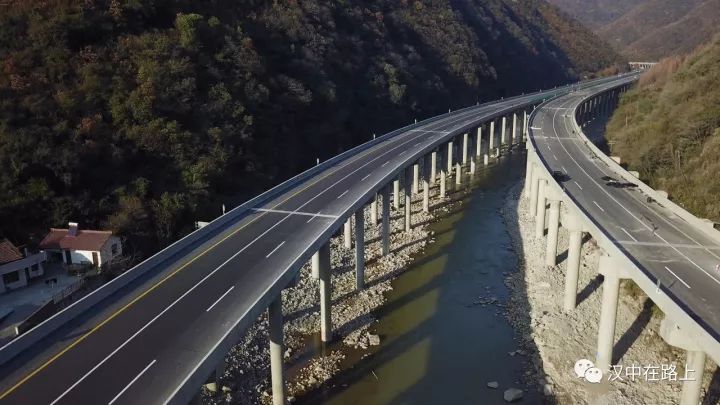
[[8, 252], [84, 240]]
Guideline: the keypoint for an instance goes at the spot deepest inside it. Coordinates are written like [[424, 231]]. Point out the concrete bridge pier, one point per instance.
[[277, 374], [472, 166], [321, 270], [534, 186], [465, 146], [552, 236], [396, 194], [514, 138], [485, 150], [449, 156], [433, 167], [385, 231], [426, 189], [695, 365], [458, 174], [374, 211], [541, 207], [503, 132], [574, 226], [525, 126], [478, 142], [529, 167], [347, 234], [443, 180], [613, 271], [416, 179], [360, 249], [491, 140], [408, 207]]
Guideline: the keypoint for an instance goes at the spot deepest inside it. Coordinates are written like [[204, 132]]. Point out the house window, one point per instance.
[[114, 249], [12, 277]]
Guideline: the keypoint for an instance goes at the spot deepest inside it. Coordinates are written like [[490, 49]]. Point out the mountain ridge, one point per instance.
[[144, 117], [648, 30], [668, 129]]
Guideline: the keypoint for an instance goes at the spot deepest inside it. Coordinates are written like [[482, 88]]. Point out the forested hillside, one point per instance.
[[145, 116], [663, 28], [597, 13], [669, 129], [648, 30]]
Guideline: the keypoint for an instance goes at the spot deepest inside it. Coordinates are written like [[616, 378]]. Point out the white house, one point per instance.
[[15, 268], [81, 246]]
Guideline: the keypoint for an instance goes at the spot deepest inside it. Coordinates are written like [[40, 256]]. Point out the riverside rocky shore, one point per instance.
[[246, 378], [554, 340]]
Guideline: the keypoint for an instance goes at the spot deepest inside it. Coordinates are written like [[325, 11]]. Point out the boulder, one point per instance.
[[512, 394]]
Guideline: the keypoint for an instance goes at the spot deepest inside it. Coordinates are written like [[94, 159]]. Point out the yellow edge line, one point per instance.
[[149, 290]]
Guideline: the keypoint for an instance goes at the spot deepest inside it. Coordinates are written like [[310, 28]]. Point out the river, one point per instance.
[[440, 344]]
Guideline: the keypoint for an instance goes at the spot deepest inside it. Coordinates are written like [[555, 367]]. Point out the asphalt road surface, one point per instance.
[[663, 245], [141, 344]]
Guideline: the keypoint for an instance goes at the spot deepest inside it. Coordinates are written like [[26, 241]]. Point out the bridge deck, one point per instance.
[[680, 256]]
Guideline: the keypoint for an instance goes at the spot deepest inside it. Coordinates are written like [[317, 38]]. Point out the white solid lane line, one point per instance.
[[131, 382], [625, 208], [313, 217], [676, 276], [628, 234], [598, 205], [661, 244], [306, 214], [221, 297], [343, 194], [275, 250], [139, 331], [191, 289], [646, 206]]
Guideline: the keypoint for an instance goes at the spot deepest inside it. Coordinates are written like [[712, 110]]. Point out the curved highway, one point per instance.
[[677, 257], [145, 343]]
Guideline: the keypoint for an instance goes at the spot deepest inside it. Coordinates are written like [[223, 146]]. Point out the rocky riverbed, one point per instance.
[[246, 376], [555, 340]]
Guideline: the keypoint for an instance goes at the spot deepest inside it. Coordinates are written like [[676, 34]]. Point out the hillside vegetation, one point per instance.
[[597, 13], [668, 129], [145, 116], [649, 30]]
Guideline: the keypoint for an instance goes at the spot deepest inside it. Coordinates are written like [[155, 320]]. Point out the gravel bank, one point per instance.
[[246, 376], [557, 340]]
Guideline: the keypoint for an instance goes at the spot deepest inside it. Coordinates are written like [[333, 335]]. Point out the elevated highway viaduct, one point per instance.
[[156, 333], [669, 253]]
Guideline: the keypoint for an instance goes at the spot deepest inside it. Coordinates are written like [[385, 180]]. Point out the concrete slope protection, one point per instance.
[[672, 259], [157, 339]]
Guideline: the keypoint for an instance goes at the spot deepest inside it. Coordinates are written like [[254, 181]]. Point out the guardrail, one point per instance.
[[189, 385], [668, 302], [172, 253], [192, 240], [187, 388], [691, 219]]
